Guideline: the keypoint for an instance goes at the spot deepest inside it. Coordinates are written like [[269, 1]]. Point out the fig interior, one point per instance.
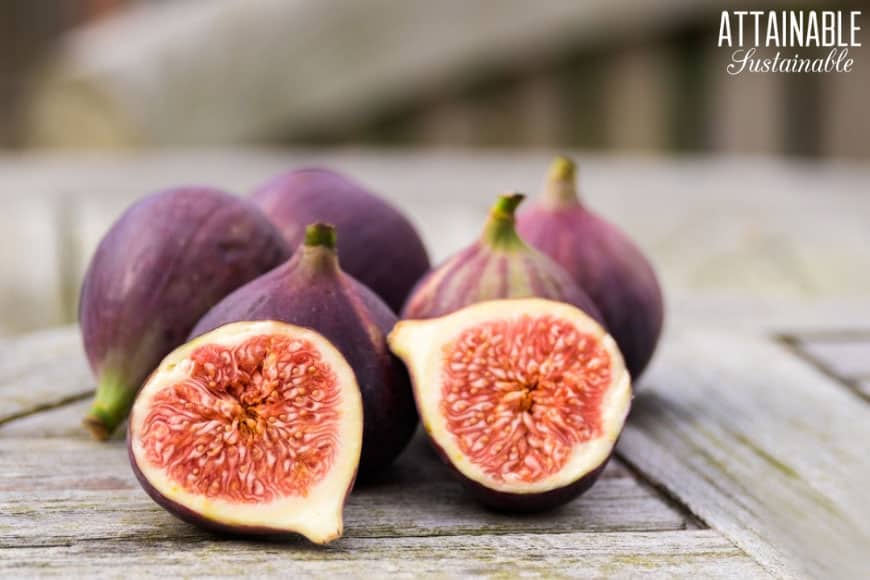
[[255, 425], [520, 395]]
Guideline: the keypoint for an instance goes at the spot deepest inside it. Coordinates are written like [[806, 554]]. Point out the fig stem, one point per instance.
[[500, 229], [317, 253], [560, 189], [111, 406], [320, 235]]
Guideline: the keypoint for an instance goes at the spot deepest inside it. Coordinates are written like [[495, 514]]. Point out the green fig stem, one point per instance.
[[500, 229], [320, 235], [318, 249], [112, 404], [560, 188]]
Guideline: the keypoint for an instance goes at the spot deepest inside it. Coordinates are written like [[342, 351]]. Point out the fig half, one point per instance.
[[254, 428], [524, 398]]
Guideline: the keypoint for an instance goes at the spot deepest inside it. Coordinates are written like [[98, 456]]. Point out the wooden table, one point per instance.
[[746, 453]]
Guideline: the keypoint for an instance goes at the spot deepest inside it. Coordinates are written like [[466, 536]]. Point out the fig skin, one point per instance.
[[602, 260], [168, 259], [525, 503], [312, 290], [378, 245], [498, 265]]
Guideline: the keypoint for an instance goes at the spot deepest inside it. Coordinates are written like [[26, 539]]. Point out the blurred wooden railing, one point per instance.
[[603, 74]]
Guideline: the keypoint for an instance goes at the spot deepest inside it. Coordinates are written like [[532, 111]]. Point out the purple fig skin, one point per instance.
[[498, 265], [378, 245], [524, 502], [603, 261], [311, 290], [186, 514], [168, 259]]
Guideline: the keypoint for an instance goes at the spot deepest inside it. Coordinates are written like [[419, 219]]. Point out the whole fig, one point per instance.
[[312, 291], [498, 265], [167, 260], [378, 245], [602, 260]]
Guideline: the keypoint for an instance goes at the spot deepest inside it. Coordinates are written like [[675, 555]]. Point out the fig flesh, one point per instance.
[[311, 290], [603, 261], [378, 244], [167, 260], [498, 265], [254, 428], [524, 398]]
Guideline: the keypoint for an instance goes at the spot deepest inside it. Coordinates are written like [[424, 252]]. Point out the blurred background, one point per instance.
[[597, 74], [437, 106]]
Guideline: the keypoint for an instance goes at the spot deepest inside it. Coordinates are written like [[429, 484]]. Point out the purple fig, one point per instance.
[[498, 265], [311, 290], [602, 260], [254, 428], [378, 245], [162, 265]]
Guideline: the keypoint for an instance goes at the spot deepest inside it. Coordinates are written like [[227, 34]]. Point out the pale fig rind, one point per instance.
[[425, 346], [315, 514], [498, 265], [167, 260], [312, 290], [602, 260], [378, 245]]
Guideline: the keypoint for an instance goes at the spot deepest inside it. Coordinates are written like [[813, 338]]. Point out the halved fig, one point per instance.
[[253, 428], [524, 398]]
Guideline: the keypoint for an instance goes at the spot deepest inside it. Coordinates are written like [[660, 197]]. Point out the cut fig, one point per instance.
[[524, 398], [253, 428]]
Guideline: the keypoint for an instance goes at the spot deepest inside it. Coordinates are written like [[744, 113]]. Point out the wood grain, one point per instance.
[[42, 370], [59, 490], [761, 446], [695, 554]]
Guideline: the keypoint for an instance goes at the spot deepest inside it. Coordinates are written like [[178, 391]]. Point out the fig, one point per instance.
[[167, 260], [602, 260], [498, 265], [311, 290], [378, 245], [253, 428], [524, 398]]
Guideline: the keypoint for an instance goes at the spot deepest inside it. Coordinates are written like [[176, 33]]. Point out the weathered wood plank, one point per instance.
[[789, 245], [685, 554], [42, 370], [846, 357], [31, 285], [761, 446], [58, 490]]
